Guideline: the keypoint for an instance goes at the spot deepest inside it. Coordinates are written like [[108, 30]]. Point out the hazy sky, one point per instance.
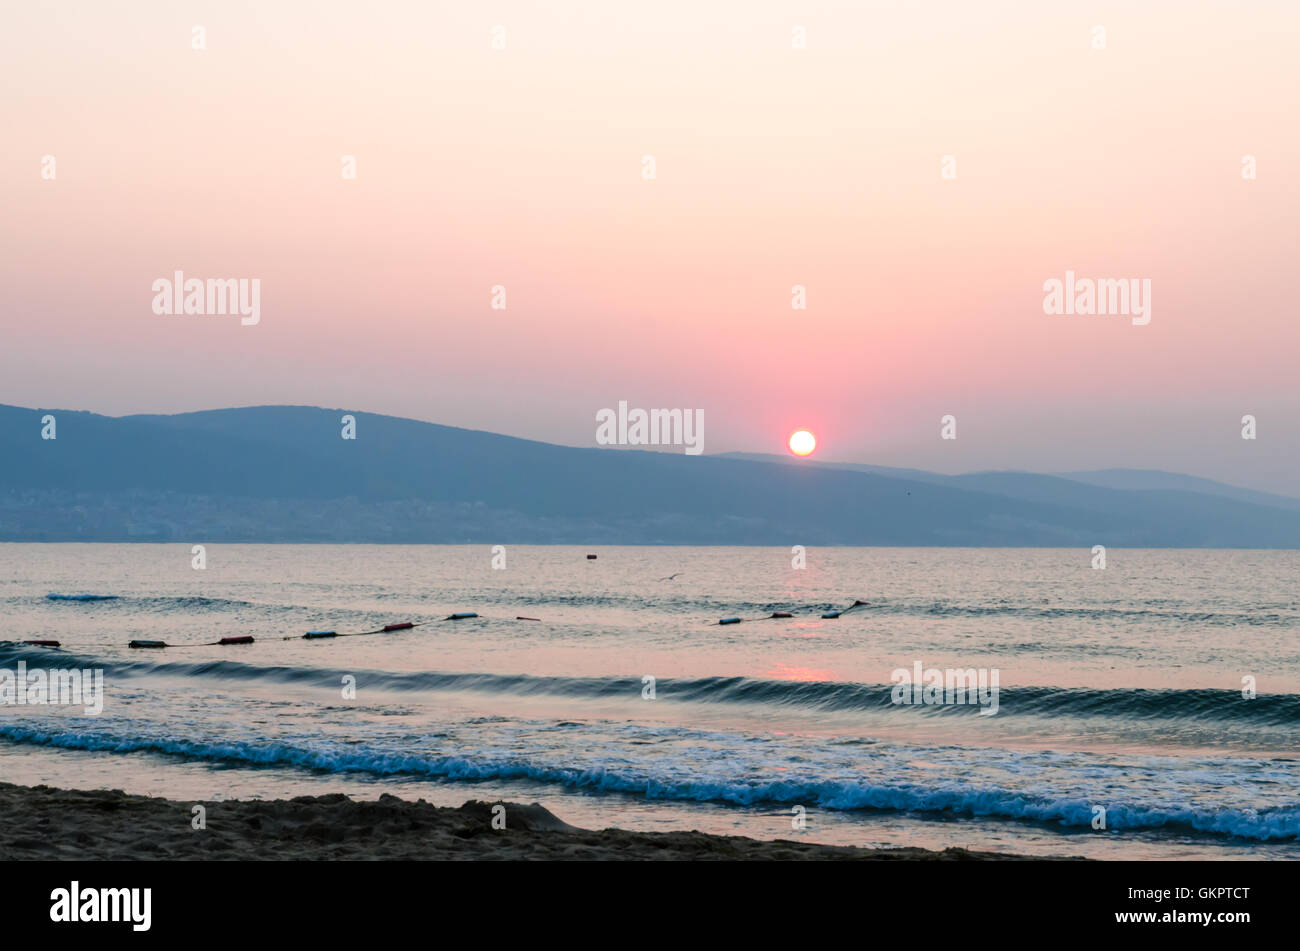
[[775, 167]]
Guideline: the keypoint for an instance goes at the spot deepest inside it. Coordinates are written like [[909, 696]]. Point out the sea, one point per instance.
[[1148, 709]]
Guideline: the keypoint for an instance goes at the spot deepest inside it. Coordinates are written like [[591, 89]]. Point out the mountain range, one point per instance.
[[284, 474]]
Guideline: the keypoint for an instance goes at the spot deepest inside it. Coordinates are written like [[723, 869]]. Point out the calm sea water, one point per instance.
[[1118, 688]]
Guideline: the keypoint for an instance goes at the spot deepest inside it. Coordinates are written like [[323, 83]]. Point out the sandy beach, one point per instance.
[[44, 823]]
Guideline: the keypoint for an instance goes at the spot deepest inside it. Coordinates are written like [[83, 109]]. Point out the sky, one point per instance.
[[774, 166]]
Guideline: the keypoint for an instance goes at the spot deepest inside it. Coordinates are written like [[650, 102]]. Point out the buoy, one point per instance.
[[42, 643], [245, 639], [522, 618], [782, 614], [729, 620], [312, 635], [591, 557], [398, 627], [832, 614], [147, 644], [461, 616]]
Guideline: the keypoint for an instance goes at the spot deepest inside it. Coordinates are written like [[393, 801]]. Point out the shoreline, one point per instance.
[[44, 823]]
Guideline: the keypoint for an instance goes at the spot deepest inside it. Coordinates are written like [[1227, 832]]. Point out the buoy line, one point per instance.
[[242, 639], [141, 644], [829, 615]]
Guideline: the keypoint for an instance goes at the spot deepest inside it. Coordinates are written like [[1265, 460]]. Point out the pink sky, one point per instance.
[[776, 167]]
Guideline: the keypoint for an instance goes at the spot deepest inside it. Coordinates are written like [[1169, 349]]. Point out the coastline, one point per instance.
[[44, 823]]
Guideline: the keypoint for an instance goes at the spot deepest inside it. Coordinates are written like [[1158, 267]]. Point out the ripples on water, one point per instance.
[[1119, 688]]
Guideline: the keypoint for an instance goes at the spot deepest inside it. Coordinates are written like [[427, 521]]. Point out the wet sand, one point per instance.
[[44, 823]]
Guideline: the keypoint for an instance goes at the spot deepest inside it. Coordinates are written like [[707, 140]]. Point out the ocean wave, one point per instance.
[[944, 800], [165, 604], [945, 609], [1041, 701]]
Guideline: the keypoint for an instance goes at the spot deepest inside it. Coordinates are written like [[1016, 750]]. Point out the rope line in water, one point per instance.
[[249, 639], [142, 644], [829, 615]]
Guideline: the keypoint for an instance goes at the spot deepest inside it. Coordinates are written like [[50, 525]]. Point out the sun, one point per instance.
[[802, 442]]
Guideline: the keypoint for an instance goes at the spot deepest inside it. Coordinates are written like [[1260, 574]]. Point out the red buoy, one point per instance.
[[398, 627], [246, 639]]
